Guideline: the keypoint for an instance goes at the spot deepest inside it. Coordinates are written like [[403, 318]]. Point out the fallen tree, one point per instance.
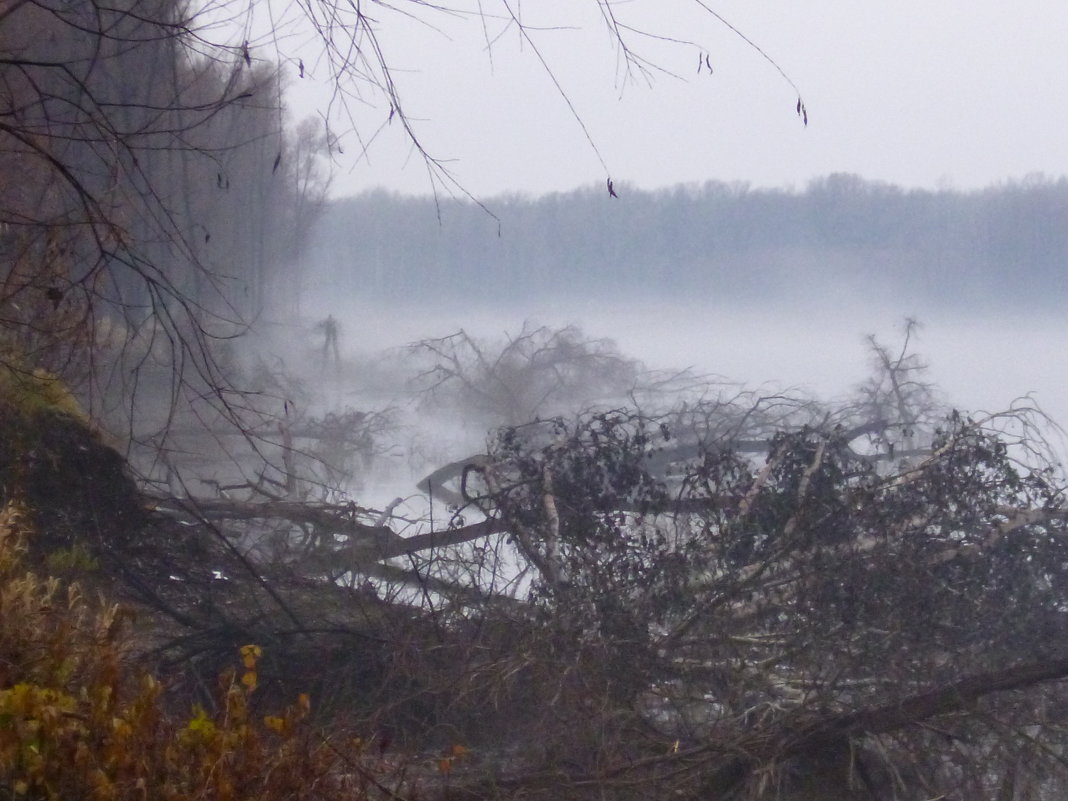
[[705, 603]]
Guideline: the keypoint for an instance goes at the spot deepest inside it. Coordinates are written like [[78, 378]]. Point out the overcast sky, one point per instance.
[[919, 93]]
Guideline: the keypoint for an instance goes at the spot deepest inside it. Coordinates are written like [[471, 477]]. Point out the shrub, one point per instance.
[[77, 720]]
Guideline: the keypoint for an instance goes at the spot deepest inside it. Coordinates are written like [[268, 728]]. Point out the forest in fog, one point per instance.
[[945, 249], [281, 521]]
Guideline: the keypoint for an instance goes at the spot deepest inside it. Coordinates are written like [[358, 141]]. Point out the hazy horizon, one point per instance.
[[955, 95]]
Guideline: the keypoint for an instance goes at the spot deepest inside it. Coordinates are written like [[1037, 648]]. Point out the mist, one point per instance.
[[707, 490], [978, 364], [758, 290]]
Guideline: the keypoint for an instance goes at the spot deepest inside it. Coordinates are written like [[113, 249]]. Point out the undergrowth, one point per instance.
[[79, 721]]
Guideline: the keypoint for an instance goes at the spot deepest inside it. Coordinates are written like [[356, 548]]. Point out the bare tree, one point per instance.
[[537, 372], [806, 622], [156, 203]]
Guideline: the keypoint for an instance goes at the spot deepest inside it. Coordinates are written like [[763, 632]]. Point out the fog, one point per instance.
[[763, 290], [979, 363], [696, 490]]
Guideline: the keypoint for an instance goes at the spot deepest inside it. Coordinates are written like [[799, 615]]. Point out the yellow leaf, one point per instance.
[[201, 723], [459, 751], [249, 655], [249, 679], [278, 725]]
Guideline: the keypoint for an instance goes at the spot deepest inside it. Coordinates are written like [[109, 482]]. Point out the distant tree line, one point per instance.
[[1006, 243]]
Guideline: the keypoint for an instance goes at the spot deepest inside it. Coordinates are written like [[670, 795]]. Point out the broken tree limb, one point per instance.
[[377, 541], [721, 767]]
